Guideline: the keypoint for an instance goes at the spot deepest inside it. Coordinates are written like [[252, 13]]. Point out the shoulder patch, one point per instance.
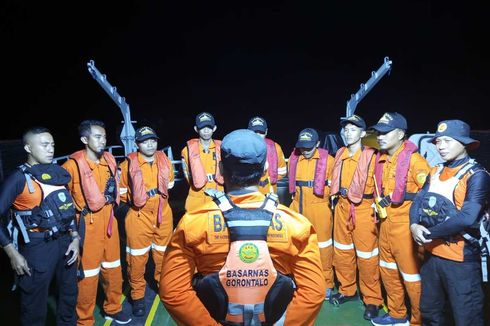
[[421, 176]]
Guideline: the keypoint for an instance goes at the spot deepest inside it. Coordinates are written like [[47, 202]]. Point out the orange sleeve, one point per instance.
[[74, 184], [310, 283], [123, 181], [176, 290], [171, 175], [281, 163]]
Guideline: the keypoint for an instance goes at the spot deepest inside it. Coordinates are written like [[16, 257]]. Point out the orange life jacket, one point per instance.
[[94, 198], [356, 188], [139, 193], [198, 173], [319, 181], [272, 159]]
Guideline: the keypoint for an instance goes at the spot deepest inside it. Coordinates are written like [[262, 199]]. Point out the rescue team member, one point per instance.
[[275, 168], [355, 232], [458, 188], [48, 242], [95, 190], [201, 243], [200, 159], [146, 177], [310, 171], [400, 172]]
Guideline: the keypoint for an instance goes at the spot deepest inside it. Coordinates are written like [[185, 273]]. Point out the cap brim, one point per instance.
[[145, 137], [344, 122], [305, 144], [257, 128], [382, 127], [200, 126], [469, 143]]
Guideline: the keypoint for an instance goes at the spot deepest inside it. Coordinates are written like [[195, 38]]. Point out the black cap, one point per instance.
[[145, 133], [355, 120], [390, 121], [308, 138], [205, 119], [458, 130], [257, 124]]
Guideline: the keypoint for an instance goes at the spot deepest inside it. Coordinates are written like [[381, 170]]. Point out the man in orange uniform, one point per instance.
[[275, 168], [310, 170], [201, 243], [94, 188], [146, 177], [355, 232], [400, 172], [200, 159], [445, 217]]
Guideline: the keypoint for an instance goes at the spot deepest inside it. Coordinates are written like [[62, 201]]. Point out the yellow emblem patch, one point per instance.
[[45, 176], [442, 127], [421, 178]]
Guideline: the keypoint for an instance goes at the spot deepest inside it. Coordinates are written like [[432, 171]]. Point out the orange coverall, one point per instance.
[[265, 183], [356, 238], [101, 252], [399, 260], [196, 197], [200, 244], [142, 230], [317, 209]]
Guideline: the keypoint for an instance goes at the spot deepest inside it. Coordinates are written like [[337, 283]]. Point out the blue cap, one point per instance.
[[355, 120], [257, 124], [244, 146], [390, 121], [458, 130], [307, 138], [205, 119]]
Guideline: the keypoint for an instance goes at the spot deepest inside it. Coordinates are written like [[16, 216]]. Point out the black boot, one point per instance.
[[371, 311]]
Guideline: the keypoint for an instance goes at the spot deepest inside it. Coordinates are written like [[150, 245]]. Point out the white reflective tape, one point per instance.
[[283, 170], [385, 264], [410, 277], [137, 252], [171, 185], [367, 254], [111, 264], [341, 246], [248, 223], [325, 244], [122, 191], [91, 272], [225, 206], [158, 248], [270, 206]]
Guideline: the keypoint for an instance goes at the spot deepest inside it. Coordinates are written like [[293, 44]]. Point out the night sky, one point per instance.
[[294, 63]]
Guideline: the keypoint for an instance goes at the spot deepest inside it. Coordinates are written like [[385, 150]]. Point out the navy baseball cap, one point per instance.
[[205, 119], [458, 130], [390, 121], [355, 120], [307, 138], [243, 146], [145, 133], [257, 124]]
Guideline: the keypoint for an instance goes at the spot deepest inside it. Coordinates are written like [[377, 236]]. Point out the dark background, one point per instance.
[[295, 63]]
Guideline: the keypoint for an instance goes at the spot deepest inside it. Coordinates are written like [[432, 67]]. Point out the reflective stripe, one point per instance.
[[158, 248], [248, 223], [410, 277], [122, 191], [91, 272], [325, 244], [171, 185], [341, 246], [137, 252], [385, 264], [367, 254], [283, 170], [111, 264]]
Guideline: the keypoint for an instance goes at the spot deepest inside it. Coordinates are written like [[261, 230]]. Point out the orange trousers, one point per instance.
[[100, 255], [143, 233], [399, 266], [356, 247], [320, 215]]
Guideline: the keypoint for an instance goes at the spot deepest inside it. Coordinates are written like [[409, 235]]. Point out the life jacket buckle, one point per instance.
[[210, 177], [343, 192]]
